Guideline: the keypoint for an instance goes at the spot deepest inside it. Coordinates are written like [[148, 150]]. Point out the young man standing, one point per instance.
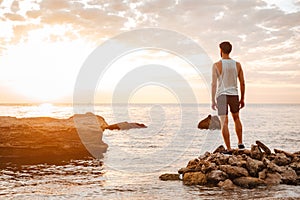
[[224, 93]]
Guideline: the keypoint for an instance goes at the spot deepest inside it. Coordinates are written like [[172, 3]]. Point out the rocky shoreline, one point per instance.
[[245, 168]]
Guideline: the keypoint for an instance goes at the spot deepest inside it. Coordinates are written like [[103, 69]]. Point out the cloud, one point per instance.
[[15, 6], [263, 36], [55, 5], [14, 17]]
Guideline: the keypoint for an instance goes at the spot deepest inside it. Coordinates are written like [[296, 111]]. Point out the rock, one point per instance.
[[296, 153], [237, 161], [248, 182], [263, 147], [216, 176], [273, 178], [218, 158], [246, 152], [220, 149], [256, 152], [296, 158], [263, 174], [254, 166], [39, 140], [193, 163], [289, 176], [185, 170], [226, 185], [210, 122], [125, 126], [169, 177], [290, 155], [296, 166], [204, 156], [271, 156], [281, 159], [233, 171], [208, 166], [272, 166], [270, 178], [194, 178]]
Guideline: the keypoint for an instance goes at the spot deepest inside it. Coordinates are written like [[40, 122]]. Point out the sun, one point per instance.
[[43, 71], [45, 109]]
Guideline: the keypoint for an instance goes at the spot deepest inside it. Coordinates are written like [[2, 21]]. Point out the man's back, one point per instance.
[[227, 77]]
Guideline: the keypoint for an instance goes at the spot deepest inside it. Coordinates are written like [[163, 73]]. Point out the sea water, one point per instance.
[[135, 158]]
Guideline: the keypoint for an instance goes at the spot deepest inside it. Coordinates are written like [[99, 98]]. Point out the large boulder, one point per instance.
[[210, 122], [39, 140]]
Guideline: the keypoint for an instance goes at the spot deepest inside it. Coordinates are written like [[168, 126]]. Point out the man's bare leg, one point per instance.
[[225, 130], [238, 127]]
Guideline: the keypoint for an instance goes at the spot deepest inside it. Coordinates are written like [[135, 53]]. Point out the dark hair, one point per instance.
[[225, 47]]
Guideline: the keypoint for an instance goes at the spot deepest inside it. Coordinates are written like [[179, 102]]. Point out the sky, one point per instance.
[[44, 43]]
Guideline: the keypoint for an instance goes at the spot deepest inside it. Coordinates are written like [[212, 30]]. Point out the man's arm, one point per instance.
[[242, 85], [214, 87]]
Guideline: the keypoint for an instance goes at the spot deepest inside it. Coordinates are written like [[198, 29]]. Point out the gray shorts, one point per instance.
[[223, 101]]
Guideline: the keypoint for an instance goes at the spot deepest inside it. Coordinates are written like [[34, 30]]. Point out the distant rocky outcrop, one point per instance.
[[125, 126], [244, 168], [39, 140], [210, 122]]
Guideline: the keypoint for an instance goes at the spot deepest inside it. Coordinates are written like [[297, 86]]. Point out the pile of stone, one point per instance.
[[244, 168]]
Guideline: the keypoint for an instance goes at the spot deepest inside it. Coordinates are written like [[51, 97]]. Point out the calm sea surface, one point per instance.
[[135, 158]]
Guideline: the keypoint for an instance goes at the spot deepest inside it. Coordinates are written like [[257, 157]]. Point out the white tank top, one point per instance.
[[227, 81]]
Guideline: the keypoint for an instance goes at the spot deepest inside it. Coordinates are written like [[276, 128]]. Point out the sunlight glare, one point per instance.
[[45, 109], [44, 70]]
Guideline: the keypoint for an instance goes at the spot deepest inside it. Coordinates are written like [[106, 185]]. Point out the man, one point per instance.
[[224, 93]]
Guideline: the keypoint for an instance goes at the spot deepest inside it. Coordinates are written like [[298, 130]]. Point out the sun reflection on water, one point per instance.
[[45, 109]]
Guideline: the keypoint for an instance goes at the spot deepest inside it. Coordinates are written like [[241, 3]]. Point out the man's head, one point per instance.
[[225, 47]]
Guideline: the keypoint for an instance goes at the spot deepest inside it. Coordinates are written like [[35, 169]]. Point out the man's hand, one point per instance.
[[242, 103], [214, 105]]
